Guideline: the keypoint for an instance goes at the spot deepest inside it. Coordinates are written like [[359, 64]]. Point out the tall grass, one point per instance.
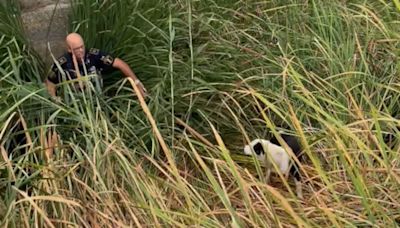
[[232, 71]]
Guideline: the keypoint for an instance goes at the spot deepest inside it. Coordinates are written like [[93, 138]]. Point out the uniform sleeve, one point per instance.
[[55, 75], [102, 60]]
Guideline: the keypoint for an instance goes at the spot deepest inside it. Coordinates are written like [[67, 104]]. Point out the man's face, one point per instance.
[[77, 48]]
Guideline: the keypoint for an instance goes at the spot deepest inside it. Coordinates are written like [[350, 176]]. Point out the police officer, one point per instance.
[[78, 62]]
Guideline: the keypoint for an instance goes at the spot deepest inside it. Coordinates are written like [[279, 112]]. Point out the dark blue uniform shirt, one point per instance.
[[96, 62]]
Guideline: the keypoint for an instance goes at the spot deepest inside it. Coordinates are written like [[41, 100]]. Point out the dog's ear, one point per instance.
[[258, 148]]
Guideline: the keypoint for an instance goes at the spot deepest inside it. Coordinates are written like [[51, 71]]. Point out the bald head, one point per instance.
[[75, 45]]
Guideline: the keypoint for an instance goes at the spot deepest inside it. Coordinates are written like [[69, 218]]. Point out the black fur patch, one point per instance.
[[258, 149], [291, 141], [294, 144]]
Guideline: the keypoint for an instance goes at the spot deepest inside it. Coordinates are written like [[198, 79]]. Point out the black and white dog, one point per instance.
[[268, 151]]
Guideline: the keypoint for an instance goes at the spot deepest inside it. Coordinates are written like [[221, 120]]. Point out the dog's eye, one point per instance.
[[258, 149]]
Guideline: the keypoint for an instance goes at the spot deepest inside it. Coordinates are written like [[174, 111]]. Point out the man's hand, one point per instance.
[[142, 90], [56, 99]]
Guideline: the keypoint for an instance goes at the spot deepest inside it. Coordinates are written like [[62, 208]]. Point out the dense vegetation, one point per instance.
[[229, 71]]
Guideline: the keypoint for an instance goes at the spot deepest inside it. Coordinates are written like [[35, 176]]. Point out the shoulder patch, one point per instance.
[[107, 60], [62, 60], [94, 51]]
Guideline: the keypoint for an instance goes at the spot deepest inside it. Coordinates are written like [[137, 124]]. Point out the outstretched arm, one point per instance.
[[128, 72]]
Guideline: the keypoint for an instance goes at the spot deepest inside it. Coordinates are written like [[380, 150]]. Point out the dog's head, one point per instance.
[[256, 147], [266, 151]]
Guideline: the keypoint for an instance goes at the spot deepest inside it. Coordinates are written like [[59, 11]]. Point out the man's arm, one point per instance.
[[51, 88], [127, 71], [53, 77]]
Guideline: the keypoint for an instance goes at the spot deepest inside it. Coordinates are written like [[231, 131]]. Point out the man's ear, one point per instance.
[[68, 48]]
